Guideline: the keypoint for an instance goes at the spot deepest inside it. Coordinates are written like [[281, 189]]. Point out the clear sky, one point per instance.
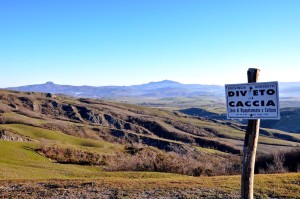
[[126, 42]]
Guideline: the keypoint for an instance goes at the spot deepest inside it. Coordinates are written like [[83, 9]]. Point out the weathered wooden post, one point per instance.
[[252, 101], [250, 146]]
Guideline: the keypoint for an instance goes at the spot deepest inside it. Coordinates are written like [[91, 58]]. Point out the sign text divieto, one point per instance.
[[252, 101]]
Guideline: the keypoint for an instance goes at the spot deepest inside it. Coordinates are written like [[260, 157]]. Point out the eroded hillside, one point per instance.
[[110, 135]]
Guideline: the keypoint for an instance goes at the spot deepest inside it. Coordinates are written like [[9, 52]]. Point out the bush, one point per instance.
[[154, 160], [274, 163], [71, 156]]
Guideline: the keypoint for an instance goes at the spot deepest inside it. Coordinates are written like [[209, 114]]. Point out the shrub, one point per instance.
[[274, 163], [71, 156], [152, 159]]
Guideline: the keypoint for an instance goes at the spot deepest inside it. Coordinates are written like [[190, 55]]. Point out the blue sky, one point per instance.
[[98, 42]]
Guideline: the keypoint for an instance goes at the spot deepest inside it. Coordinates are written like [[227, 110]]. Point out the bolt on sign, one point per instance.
[[252, 101]]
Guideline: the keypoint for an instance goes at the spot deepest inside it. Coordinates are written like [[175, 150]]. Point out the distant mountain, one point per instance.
[[157, 85], [289, 89], [160, 89]]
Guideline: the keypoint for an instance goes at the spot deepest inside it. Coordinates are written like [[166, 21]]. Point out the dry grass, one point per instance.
[[151, 159], [153, 185], [68, 155], [25, 173]]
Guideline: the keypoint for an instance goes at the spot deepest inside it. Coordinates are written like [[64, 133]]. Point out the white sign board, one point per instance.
[[252, 101]]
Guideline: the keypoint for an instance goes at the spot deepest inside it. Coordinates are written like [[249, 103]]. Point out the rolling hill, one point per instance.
[[90, 143], [106, 127], [160, 89], [289, 118]]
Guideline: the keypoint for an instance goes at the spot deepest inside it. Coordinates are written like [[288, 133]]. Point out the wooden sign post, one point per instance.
[[252, 101], [250, 146]]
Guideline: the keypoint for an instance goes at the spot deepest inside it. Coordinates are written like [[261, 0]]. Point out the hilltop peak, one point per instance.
[[165, 82], [159, 89], [49, 83], [168, 81]]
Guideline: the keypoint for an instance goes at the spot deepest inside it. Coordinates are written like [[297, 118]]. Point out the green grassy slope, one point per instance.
[[106, 127], [19, 160], [45, 136]]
